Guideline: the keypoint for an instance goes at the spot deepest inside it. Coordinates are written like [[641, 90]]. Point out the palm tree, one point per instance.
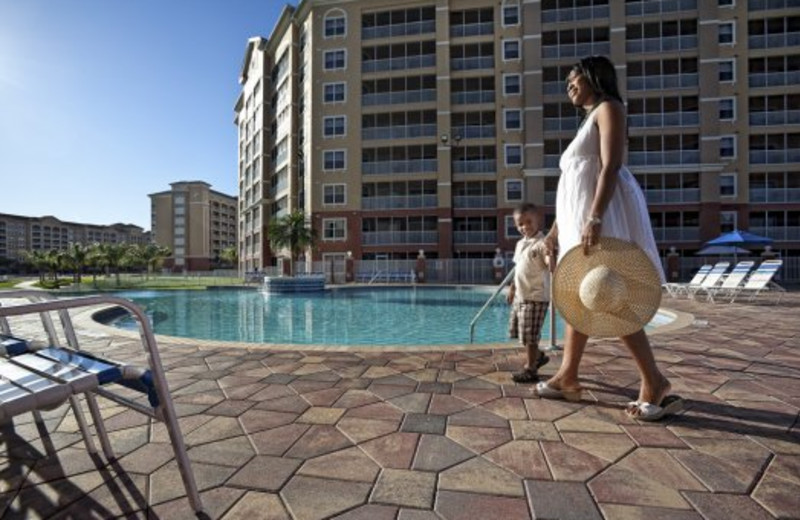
[[112, 256], [150, 255], [54, 260], [36, 259], [229, 255], [291, 232], [76, 256]]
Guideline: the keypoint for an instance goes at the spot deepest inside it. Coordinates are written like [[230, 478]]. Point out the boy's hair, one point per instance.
[[526, 207]]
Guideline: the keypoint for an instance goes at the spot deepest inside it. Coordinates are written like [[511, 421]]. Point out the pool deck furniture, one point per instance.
[[674, 289], [36, 376], [730, 284], [762, 282], [712, 279]]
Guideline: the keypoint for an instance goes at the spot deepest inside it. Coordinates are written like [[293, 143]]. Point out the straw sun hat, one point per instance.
[[613, 291]]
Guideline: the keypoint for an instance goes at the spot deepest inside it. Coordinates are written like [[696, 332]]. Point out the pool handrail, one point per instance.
[[488, 302]]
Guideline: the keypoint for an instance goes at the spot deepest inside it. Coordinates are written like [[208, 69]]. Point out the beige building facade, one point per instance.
[[408, 125], [195, 222], [19, 234]]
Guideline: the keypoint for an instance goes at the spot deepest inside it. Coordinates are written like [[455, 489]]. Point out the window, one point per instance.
[[334, 126], [511, 228], [727, 185], [727, 109], [512, 119], [726, 3], [726, 33], [333, 194], [726, 71], [727, 221], [334, 229], [335, 24], [513, 155], [512, 84], [727, 147], [513, 190], [333, 160], [510, 14], [511, 50], [334, 92], [336, 59]]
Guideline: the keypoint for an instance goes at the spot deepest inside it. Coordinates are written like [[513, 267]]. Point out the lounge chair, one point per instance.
[[732, 282], [35, 376], [712, 279], [674, 289], [761, 281]]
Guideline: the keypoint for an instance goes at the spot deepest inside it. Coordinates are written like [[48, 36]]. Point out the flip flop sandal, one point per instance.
[[525, 376], [546, 391], [651, 412]]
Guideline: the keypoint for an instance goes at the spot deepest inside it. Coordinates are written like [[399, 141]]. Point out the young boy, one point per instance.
[[529, 293]]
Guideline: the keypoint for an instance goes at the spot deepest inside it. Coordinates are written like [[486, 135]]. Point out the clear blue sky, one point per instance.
[[105, 101]]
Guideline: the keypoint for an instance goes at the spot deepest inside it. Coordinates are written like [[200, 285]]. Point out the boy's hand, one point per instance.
[[510, 295]]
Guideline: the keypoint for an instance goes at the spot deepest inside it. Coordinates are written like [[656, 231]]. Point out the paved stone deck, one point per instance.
[[440, 435]]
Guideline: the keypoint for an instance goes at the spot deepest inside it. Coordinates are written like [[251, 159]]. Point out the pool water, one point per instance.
[[344, 316]]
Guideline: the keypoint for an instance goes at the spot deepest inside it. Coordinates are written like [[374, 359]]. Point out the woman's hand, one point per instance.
[[590, 234]]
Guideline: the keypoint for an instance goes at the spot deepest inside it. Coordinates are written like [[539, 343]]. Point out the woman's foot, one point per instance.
[[649, 396], [546, 391]]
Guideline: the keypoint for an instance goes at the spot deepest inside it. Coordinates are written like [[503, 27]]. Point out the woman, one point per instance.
[[598, 196]]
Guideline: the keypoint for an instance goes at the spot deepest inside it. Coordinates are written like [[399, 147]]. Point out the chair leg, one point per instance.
[[99, 426], [87, 436], [170, 419]]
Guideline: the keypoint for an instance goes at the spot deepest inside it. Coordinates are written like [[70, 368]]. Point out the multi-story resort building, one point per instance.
[[195, 222], [19, 234], [407, 125]]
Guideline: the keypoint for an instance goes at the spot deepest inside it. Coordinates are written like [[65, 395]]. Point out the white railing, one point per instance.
[[663, 158], [774, 194], [400, 29], [776, 117], [573, 50], [773, 79], [664, 120], [571, 14], [646, 7], [372, 238], [399, 202], [398, 132], [789, 155], [407, 166], [472, 63], [475, 201], [672, 195], [664, 81], [397, 98], [664, 44], [399, 63], [472, 97], [471, 29]]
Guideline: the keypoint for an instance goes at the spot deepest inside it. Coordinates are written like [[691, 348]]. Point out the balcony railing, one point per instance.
[[556, 124], [397, 98], [571, 14], [551, 160], [763, 5], [782, 233], [554, 87], [572, 50], [398, 132], [399, 63], [664, 44], [662, 82], [777, 118], [471, 29], [672, 195], [789, 155], [550, 198], [475, 166], [475, 237], [474, 131], [379, 238], [472, 63], [401, 29], [676, 234], [472, 97], [475, 201], [399, 202], [407, 166], [775, 195], [664, 120], [773, 79], [771, 41], [664, 158], [646, 7]]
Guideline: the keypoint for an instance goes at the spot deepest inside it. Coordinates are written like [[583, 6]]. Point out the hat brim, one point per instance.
[[631, 264]]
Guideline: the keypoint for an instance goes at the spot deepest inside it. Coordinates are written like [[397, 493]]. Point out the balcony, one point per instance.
[[550, 198], [672, 157], [665, 44], [560, 124], [677, 234], [551, 160], [664, 120], [780, 233], [475, 201], [646, 7], [572, 14], [472, 63], [400, 63], [771, 41], [789, 155], [398, 132], [763, 5], [554, 87], [407, 166], [471, 29], [574, 50], [474, 131], [775, 118], [475, 166], [380, 238], [398, 98], [472, 98], [474, 237], [776, 195], [666, 81], [672, 196], [402, 29], [399, 202], [773, 79]]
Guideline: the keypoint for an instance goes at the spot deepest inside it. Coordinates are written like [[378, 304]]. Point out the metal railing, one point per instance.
[[474, 131], [664, 158], [398, 98], [774, 194], [400, 29], [407, 166], [373, 238], [663, 44], [789, 155], [399, 202], [646, 7], [475, 201], [472, 63], [497, 291], [664, 120], [571, 14], [773, 79], [472, 97], [398, 132], [770, 41], [477, 166], [672, 195], [572, 50], [774, 117], [664, 81], [399, 63], [471, 29]]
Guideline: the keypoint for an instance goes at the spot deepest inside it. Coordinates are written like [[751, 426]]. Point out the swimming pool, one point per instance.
[[380, 316]]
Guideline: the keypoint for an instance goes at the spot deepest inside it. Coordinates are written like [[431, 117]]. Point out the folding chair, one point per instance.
[[674, 288], [762, 281], [731, 283], [712, 278]]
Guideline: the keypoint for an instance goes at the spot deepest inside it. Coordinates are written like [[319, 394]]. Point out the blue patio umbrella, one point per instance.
[[722, 250], [739, 238]]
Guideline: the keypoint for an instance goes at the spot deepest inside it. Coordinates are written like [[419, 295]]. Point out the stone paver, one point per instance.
[[282, 434]]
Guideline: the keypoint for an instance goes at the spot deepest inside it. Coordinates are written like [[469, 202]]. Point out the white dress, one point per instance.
[[626, 216]]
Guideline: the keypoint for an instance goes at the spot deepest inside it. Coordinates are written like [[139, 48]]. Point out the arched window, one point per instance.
[[511, 14], [335, 23]]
